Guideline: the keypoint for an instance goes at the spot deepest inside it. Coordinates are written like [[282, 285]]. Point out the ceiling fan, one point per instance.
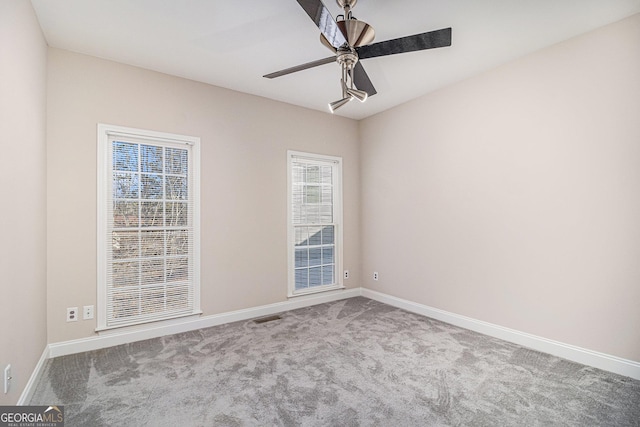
[[350, 40]]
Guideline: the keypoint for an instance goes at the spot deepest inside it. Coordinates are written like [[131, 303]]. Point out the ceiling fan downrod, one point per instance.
[[347, 5]]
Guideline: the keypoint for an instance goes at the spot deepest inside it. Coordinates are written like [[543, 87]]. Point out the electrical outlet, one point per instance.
[[346, 274], [375, 275], [87, 312], [72, 314], [7, 378]]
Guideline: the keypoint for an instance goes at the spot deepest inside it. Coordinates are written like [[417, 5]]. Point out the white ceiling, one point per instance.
[[234, 43]]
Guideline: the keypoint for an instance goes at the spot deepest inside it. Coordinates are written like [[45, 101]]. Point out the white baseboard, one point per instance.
[[123, 337], [584, 356], [603, 361], [27, 393]]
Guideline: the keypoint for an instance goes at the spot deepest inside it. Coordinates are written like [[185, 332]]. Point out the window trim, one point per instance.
[[104, 132], [336, 163]]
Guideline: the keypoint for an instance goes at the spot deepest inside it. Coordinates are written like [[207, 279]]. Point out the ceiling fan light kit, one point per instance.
[[339, 103], [347, 58], [350, 41], [360, 95]]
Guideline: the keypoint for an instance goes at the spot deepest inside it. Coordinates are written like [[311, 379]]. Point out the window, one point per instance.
[[148, 226], [315, 222]]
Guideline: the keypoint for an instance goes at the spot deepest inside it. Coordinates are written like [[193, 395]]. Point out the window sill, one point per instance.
[[112, 330], [316, 290]]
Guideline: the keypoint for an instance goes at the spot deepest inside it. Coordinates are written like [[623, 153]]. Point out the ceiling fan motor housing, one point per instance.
[[358, 33]]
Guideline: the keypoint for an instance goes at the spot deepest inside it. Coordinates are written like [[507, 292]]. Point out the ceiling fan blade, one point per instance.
[[361, 80], [429, 40], [301, 67], [321, 16]]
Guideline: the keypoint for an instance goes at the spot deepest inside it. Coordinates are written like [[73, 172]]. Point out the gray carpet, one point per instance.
[[354, 362]]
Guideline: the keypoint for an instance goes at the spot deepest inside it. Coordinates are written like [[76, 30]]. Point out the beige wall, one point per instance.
[[244, 140], [514, 197], [23, 55]]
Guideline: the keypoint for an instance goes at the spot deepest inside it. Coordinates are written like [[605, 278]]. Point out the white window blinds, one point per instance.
[[150, 229], [314, 222]]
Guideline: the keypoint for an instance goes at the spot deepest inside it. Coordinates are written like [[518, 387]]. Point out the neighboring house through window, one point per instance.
[[314, 222], [148, 226]]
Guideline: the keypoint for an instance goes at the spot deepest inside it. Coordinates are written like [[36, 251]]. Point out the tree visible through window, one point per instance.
[[150, 263]]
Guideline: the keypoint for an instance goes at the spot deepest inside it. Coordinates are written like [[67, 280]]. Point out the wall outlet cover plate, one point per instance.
[[7, 378]]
